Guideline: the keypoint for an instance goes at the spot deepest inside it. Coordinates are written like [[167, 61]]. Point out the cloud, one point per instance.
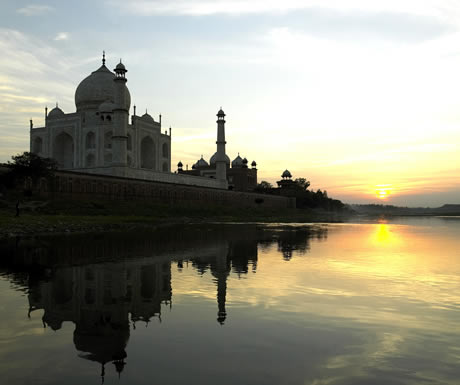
[[62, 36], [32, 75], [443, 9], [35, 10]]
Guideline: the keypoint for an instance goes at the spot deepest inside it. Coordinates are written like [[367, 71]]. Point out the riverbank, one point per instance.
[[41, 217]]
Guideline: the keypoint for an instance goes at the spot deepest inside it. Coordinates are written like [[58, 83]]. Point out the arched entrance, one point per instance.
[[64, 150], [90, 160], [147, 153], [38, 145]]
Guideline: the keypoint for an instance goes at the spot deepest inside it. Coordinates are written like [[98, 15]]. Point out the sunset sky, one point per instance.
[[361, 97]]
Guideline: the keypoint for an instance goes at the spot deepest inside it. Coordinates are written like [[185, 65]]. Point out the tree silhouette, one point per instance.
[[264, 185], [30, 165], [303, 183]]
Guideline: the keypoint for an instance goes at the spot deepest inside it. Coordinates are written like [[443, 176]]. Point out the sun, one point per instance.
[[383, 191]]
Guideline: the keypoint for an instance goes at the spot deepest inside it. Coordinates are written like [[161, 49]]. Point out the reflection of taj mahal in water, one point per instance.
[[109, 285]]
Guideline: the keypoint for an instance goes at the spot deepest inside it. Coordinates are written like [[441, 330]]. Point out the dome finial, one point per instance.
[[57, 105], [103, 58]]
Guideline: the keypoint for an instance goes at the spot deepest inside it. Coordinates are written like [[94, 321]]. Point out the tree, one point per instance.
[[30, 165], [264, 185], [303, 183]]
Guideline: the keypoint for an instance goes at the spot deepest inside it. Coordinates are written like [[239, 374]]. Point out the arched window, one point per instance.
[[108, 140], [165, 167], [165, 150], [129, 161], [90, 140], [147, 153], [64, 150], [38, 145], [109, 118]]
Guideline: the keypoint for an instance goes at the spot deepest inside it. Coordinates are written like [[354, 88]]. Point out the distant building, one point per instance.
[[239, 176], [286, 182]]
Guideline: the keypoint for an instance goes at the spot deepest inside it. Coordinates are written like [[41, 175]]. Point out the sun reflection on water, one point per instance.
[[385, 236]]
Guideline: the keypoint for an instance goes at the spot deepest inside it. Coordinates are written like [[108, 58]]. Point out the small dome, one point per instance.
[[214, 157], [286, 174], [245, 161], [201, 163], [147, 118], [253, 164], [180, 164], [120, 67], [237, 162], [56, 112], [220, 112], [107, 106]]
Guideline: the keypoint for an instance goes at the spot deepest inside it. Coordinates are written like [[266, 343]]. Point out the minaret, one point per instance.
[[221, 164], [120, 118]]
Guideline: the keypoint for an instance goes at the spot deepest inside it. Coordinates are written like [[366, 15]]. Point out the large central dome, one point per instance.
[[98, 88]]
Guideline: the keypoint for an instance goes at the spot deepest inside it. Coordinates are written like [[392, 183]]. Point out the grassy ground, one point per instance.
[[39, 216]]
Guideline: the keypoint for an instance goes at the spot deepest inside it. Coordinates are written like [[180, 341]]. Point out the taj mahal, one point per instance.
[[102, 138]]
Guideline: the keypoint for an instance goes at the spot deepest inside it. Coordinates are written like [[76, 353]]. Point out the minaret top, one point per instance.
[[120, 70], [221, 113], [220, 116]]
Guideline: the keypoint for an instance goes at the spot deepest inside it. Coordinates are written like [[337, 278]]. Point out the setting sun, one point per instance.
[[383, 191]]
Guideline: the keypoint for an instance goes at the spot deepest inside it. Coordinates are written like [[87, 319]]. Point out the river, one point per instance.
[[353, 303]]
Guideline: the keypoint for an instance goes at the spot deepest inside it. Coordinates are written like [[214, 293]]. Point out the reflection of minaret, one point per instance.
[[220, 271], [221, 296]]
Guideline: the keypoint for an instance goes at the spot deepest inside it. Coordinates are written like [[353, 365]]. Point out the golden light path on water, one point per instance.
[[357, 262]]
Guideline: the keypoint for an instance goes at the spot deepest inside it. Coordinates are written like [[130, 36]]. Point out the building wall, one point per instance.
[[155, 176], [73, 185], [242, 179], [84, 140], [238, 178]]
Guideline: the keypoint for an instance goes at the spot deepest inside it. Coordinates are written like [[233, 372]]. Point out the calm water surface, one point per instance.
[[235, 304]]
